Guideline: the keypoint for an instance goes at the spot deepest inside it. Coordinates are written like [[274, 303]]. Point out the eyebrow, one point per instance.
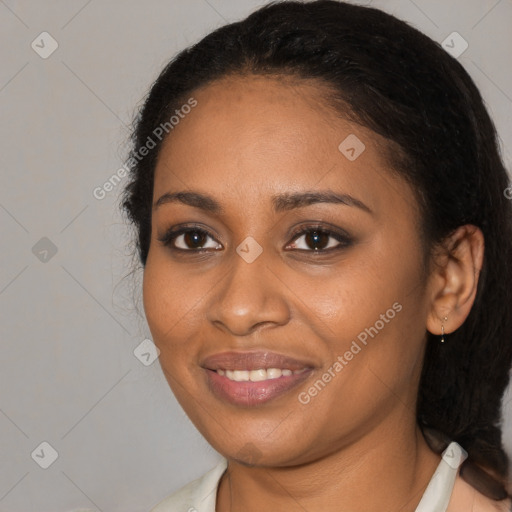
[[280, 202]]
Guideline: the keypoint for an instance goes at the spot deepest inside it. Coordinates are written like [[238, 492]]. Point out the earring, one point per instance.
[[442, 329]]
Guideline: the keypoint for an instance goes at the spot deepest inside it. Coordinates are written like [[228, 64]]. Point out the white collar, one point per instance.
[[439, 490]]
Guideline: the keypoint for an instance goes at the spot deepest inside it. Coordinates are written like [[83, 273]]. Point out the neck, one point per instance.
[[375, 473]]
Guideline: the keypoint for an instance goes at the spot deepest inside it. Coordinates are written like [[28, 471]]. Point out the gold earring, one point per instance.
[[442, 329]]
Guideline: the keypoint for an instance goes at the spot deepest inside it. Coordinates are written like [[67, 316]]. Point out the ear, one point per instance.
[[454, 279]]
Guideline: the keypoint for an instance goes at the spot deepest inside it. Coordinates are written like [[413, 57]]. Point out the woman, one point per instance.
[[320, 213]]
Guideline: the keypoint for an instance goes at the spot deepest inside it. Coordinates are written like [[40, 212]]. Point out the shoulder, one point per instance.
[[465, 497], [197, 496]]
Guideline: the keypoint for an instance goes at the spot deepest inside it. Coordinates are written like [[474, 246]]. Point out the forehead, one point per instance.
[[247, 110], [270, 133]]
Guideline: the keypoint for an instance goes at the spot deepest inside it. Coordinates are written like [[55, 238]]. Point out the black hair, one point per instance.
[[386, 75]]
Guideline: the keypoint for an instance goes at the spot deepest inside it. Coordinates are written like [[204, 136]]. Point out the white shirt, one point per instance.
[[201, 494]]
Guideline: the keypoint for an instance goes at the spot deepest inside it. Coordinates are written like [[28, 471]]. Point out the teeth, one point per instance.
[[257, 375], [273, 373], [240, 375]]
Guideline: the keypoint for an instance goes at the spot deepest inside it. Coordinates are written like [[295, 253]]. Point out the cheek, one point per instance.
[[350, 297], [376, 300], [170, 314], [172, 303], [372, 362], [158, 299]]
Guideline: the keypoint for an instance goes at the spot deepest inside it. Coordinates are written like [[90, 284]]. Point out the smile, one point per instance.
[[258, 375]]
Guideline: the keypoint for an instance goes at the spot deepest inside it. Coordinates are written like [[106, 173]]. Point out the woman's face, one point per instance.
[[300, 326]]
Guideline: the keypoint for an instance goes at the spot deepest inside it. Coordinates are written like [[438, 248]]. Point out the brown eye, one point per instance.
[[194, 239], [317, 239], [189, 239]]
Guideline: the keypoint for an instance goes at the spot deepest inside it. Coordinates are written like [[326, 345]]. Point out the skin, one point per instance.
[[248, 139]]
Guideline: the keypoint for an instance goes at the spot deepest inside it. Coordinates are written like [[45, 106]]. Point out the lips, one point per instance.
[[253, 361], [229, 376]]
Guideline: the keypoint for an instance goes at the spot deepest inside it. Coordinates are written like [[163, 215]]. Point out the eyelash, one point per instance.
[[344, 239]]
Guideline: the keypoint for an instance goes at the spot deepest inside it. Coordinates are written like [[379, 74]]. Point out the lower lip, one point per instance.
[[253, 393]]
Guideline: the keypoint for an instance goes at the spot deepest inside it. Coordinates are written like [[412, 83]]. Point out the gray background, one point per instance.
[[70, 321]]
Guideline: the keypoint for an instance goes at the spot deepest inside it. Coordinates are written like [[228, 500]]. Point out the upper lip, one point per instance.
[[253, 361]]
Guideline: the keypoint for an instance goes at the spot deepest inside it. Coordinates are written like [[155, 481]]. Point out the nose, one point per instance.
[[248, 297]]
